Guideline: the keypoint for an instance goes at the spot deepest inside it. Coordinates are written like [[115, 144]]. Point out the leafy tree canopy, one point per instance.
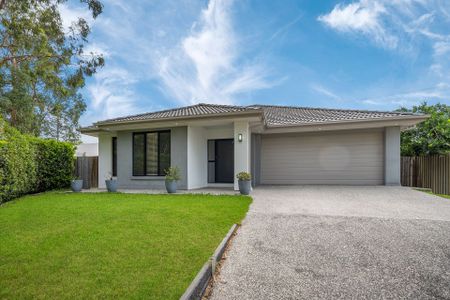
[[43, 66], [431, 136]]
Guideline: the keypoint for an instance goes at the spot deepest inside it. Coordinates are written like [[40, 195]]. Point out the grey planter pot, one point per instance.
[[171, 186], [111, 185], [245, 186], [76, 185]]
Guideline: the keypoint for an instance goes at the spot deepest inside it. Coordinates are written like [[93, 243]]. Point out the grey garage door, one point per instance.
[[352, 158]]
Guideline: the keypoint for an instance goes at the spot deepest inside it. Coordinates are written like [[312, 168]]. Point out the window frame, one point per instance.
[[158, 132]]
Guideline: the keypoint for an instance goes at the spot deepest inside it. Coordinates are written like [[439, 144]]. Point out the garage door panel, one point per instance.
[[326, 182], [313, 164], [358, 152], [330, 174], [362, 174], [368, 158], [324, 158]]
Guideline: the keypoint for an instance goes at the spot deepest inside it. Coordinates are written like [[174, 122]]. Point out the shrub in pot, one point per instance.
[[172, 177], [76, 185], [244, 182], [111, 183]]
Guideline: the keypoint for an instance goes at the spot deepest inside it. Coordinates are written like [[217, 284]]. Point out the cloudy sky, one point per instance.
[[367, 54]]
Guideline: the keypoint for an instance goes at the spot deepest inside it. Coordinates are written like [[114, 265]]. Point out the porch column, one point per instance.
[[241, 149], [392, 156], [104, 158], [197, 163]]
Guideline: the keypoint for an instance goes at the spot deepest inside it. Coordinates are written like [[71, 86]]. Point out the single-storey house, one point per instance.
[[279, 145]]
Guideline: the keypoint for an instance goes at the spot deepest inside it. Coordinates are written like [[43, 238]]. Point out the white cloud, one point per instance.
[[97, 49], [111, 95], [361, 17], [413, 97], [372, 102], [206, 66], [71, 14], [285, 28], [324, 91], [393, 24], [190, 52], [441, 48], [415, 28]]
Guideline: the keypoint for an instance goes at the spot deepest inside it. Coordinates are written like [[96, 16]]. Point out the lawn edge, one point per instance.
[[201, 281]]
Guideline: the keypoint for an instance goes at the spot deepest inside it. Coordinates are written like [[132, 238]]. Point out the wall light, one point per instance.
[[240, 137]]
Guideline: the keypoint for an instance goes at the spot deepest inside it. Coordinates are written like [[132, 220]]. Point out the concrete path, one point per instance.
[[328, 242], [208, 190]]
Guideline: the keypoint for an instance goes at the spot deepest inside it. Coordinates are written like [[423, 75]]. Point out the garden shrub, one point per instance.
[[29, 164], [17, 163], [54, 164]]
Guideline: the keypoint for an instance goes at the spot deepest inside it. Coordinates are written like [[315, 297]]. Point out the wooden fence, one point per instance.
[[427, 172], [86, 168]]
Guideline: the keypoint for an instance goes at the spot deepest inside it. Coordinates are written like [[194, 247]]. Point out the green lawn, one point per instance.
[[66, 245], [441, 195]]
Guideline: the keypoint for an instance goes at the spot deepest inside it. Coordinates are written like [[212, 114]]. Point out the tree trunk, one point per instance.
[[2, 4]]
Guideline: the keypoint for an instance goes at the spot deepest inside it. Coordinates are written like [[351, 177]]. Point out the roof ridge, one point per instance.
[[336, 109], [220, 105]]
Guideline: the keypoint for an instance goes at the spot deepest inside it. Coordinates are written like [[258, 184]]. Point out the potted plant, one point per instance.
[[76, 185], [172, 176], [245, 183], [111, 183]]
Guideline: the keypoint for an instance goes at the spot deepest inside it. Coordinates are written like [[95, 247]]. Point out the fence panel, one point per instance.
[[86, 168], [427, 172]]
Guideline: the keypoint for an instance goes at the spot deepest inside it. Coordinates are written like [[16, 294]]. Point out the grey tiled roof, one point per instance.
[[186, 111], [273, 116]]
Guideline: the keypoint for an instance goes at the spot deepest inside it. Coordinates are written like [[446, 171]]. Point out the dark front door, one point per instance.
[[223, 165]]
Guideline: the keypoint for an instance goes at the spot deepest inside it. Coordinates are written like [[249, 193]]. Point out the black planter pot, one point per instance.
[[245, 186]]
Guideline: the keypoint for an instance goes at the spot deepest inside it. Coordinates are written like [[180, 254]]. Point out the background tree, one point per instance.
[[431, 136], [43, 66]]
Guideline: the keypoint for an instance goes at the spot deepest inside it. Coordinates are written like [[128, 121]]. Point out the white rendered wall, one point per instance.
[[104, 158], [392, 156], [196, 157], [241, 149], [219, 132]]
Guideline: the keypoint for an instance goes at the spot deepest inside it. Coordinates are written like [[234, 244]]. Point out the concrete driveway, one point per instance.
[[322, 242]]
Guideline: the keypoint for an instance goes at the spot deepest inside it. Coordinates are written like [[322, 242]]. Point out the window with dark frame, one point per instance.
[[114, 156], [151, 153]]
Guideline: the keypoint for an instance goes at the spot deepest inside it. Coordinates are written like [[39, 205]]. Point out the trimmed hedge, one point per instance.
[[54, 164], [29, 164]]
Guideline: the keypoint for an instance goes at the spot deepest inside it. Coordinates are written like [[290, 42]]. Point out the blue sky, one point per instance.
[[366, 54]]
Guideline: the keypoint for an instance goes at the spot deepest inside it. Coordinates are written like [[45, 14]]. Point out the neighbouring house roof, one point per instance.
[[273, 116]]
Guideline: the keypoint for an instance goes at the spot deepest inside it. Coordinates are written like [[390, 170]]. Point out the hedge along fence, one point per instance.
[[29, 164], [54, 164]]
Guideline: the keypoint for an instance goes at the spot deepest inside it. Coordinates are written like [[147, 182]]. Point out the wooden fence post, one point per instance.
[[86, 168]]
